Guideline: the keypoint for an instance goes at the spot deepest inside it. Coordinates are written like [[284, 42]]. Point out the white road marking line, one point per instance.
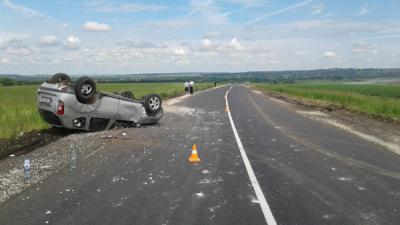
[[269, 217]]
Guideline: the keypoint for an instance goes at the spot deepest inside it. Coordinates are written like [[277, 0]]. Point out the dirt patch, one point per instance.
[[30, 141]]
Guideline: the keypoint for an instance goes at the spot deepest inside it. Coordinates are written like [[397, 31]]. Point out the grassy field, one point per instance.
[[18, 110], [373, 99]]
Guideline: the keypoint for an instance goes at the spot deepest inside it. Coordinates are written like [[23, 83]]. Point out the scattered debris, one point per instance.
[[109, 137], [254, 200], [45, 167], [118, 178], [205, 171], [27, 169], [199, 195], [361, 188], [345, 178], [327, 216]]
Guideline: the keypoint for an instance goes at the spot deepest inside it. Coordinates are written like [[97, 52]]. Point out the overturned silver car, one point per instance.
[[81, 106]]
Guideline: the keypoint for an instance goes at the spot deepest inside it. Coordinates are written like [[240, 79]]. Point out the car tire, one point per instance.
[[60, 78], [153, 103], [128, 94], [85, 89]]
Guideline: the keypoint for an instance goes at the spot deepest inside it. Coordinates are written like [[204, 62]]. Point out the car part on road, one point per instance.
[[127, 94], [153, 103], [85, 89], [60, 78]]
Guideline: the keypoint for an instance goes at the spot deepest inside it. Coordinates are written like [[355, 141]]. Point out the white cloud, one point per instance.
[[318, 9], [174, 24], [48, 40], [181, 51], [343, 27], [364, 10], [72, 42], [18, 51], [213, 34], [207, 43], [4, 61], [138, 44], [95, 26], [330, 54], [2, 43], [25, 11], [362, 47], [273, 61], [227, 47], [235, 44]]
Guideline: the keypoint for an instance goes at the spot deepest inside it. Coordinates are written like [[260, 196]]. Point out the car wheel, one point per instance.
[[85, 89], [152, 103], [128, 94], [60, 78]]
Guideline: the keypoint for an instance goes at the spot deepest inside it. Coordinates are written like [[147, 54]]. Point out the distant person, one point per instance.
[[191, 87], [186, 85], [215, 84]]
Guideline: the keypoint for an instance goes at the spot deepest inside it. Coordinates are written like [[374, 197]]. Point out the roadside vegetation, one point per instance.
[[381, 100], [19, 114]]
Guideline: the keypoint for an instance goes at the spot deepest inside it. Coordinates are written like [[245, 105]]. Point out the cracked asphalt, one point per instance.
[[309, 172]]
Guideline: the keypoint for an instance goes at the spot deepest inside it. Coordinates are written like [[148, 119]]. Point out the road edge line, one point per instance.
[[269, 217]]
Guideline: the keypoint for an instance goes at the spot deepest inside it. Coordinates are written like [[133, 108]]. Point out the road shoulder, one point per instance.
[[375, 130]]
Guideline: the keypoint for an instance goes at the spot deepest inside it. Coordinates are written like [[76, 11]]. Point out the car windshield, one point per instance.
[[200, 112]]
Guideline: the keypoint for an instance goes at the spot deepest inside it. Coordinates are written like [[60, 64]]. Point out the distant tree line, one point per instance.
[[12, 82], [254, 76]]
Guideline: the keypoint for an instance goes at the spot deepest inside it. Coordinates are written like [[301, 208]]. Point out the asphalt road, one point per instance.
[[309, 172]]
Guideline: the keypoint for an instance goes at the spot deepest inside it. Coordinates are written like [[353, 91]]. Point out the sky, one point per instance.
[[154, 36]]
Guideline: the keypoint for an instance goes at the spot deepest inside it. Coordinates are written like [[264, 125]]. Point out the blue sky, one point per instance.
[[120, 36]]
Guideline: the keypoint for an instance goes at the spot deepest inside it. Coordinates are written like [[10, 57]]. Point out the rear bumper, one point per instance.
[[50, 117]]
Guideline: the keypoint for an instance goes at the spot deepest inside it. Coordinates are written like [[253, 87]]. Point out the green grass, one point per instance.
[[18, 110], [373, 99]]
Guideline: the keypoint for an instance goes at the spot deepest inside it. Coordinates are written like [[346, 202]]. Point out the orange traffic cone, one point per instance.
[[194, 157]]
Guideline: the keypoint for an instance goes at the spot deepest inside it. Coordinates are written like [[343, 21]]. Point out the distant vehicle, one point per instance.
[[81, 106]]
